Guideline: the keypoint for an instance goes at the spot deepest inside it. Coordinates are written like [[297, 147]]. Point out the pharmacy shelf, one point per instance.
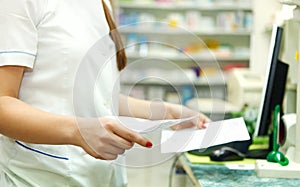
[[156, 82], [172, 23], [175, 31], [182, 57], [290, 2], [184, 6]]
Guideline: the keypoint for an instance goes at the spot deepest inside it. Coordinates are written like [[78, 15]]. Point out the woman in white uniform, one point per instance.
[[53, 133]]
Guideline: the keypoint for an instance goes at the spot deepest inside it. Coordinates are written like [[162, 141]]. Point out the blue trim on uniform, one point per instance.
[[22, 52], [37, 151]]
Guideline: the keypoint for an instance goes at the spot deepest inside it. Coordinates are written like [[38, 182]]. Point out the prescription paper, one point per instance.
[[216, 133], [144, 126], [172, 141]]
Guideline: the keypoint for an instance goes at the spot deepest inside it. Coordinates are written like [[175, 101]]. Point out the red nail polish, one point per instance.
[[149, 144]]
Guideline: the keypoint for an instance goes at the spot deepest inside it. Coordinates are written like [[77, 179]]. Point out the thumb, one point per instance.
[[183, 125]]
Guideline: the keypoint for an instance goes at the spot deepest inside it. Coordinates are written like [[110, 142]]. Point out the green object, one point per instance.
[[275, 155], [249, 115]]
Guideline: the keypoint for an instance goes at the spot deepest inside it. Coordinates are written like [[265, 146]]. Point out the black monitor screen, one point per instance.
[[274, 87]]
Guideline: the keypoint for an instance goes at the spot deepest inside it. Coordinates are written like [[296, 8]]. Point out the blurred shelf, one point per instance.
[[290, 2], [184, 6], [125, 29], [189, 57], [156, 82]]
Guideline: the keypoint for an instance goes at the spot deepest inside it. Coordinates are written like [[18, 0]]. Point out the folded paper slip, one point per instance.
[[216, 133]]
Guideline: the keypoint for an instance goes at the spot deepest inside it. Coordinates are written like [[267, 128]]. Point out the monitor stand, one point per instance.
[[263, 168]]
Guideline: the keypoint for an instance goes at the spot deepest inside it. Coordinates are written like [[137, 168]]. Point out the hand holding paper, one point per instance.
[[216, 133]]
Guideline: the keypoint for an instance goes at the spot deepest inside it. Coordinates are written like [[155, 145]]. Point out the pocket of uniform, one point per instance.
[[39, 158], [41, 152]]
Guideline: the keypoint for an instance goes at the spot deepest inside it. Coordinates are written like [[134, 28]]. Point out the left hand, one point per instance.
[[175, 111]]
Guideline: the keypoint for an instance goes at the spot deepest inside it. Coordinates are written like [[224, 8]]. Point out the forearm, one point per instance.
[[129, 106], [21, 121]]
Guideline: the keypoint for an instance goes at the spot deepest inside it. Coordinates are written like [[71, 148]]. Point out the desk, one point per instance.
[[218, 175]]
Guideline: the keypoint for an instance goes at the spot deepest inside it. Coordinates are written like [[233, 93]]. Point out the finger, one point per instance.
[[111, 152], [131, 136], [115, 150], [201, 125], [202, 121], [206, 119], [120, 142], [116, 130], [108, 156], [199, 122], [182, 126]]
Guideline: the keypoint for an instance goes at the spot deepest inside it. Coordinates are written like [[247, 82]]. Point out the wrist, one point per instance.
[[158, 110], [71, 133]]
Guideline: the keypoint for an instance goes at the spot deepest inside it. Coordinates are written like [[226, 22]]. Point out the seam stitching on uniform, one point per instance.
[[20, 52]]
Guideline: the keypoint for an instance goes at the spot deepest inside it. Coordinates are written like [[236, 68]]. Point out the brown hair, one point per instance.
[[116, 37]]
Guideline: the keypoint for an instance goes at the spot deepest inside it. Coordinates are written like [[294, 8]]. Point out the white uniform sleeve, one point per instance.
[[18, 31]]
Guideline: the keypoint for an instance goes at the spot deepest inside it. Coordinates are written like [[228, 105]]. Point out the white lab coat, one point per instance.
[[71, 71]]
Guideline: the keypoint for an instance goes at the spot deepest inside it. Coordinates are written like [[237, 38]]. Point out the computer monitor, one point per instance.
[[274, 87], [272, 95]]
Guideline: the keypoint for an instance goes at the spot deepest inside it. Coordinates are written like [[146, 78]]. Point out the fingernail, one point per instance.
[[149, 144]]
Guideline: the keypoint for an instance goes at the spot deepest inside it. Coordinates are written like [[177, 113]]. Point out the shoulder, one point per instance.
[[26, 9]]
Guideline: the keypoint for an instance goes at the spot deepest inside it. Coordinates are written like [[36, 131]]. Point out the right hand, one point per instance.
[[105, 138]]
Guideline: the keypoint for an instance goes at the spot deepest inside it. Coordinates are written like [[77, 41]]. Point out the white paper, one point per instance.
[[144, 126], [216, 133]]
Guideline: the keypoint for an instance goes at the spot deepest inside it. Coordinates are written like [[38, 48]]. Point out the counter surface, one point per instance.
[[218, 175]]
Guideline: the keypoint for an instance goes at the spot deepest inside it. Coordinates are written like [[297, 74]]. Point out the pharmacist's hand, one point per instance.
[[175, 111], [106, 138]]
